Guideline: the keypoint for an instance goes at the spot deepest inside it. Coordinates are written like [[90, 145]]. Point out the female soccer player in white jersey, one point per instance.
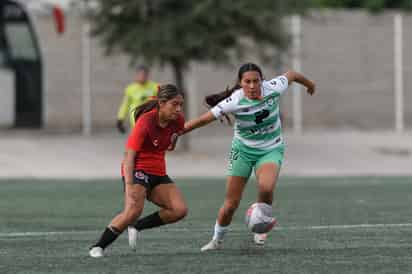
[[257, 142]]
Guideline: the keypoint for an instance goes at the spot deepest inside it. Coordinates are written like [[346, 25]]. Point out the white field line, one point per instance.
[[326, 227], [285, 228]]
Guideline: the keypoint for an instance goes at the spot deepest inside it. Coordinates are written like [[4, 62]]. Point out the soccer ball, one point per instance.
[[259, 218]]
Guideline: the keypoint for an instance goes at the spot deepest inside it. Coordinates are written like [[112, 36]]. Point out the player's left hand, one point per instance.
[[311, 88], [173, 142], [120, 127]]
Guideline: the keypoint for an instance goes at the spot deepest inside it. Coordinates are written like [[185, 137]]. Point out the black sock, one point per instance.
[[150, 221], [109, 235]]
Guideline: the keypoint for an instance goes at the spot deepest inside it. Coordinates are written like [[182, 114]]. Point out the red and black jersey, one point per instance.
[[151, 141]]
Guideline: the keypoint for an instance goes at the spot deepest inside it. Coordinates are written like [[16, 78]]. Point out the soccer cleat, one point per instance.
[[212, 245], [96, 252], [260, 238], [134, 235]]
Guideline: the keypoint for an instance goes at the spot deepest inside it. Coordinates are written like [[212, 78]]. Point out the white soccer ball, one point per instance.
[[259, 218]]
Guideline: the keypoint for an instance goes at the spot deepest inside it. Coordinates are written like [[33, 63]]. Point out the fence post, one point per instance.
[[192, 92], [296, 65], [398, 73], [86, 90]]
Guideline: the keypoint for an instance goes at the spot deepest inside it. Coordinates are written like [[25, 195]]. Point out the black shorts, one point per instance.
[[149, 181]]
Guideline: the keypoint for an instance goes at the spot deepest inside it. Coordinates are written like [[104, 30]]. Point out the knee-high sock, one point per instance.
[[108, 236], [150, 221]]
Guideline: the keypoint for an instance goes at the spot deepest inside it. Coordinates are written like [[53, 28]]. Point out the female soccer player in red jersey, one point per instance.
[[158, 122]]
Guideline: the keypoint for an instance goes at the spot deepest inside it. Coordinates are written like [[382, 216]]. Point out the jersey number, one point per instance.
[[259, 116]]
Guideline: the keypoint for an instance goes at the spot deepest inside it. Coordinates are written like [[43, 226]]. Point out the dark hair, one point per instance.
[[165, 93], [213, 99], [142, 68]]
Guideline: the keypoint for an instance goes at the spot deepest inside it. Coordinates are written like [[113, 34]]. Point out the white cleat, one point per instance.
[[134, 235], [212, 245], [260, 239], [96, 252]]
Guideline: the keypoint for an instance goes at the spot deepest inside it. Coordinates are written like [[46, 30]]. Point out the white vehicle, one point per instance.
[[21, 71]]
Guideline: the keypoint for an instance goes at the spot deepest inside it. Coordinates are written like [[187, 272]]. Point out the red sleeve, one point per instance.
[[137, 136]]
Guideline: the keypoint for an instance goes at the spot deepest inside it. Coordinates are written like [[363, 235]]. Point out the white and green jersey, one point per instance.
[[257, 122]]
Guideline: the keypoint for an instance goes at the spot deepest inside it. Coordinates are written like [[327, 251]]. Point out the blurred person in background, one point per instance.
[[135, 94]]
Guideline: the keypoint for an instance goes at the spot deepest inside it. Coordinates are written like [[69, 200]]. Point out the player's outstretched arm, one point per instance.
[[201, 121], [297, 77]]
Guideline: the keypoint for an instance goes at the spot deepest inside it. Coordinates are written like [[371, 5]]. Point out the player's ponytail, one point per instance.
[[213, 99], [145, 107], [165, 93]]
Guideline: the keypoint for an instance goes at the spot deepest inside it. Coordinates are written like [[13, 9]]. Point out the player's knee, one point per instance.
[[266, 186], [265, 190], [180, 212]]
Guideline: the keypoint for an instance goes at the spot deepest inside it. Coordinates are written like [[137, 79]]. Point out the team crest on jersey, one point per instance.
[[270, 102]]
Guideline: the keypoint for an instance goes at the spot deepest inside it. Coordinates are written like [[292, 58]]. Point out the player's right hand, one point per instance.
[[120, 126]]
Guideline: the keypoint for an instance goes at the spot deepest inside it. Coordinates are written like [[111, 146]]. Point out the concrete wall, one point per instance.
[[7, 102], [349, 55]]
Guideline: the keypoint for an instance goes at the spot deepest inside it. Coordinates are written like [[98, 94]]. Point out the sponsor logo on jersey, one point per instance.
[[155, 142], [273, 83], [140, 175], [263, 130]]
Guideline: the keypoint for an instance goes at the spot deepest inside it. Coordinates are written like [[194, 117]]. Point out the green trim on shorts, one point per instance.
[[243, 161]]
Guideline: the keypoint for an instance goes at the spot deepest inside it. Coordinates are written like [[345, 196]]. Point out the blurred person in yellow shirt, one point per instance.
[[135, 94]]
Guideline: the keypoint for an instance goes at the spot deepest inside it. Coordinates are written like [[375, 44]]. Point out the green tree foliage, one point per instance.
[[373, 5], [177, 32]]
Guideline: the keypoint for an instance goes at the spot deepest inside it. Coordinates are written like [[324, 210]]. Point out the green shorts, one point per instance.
[[241, 163]]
